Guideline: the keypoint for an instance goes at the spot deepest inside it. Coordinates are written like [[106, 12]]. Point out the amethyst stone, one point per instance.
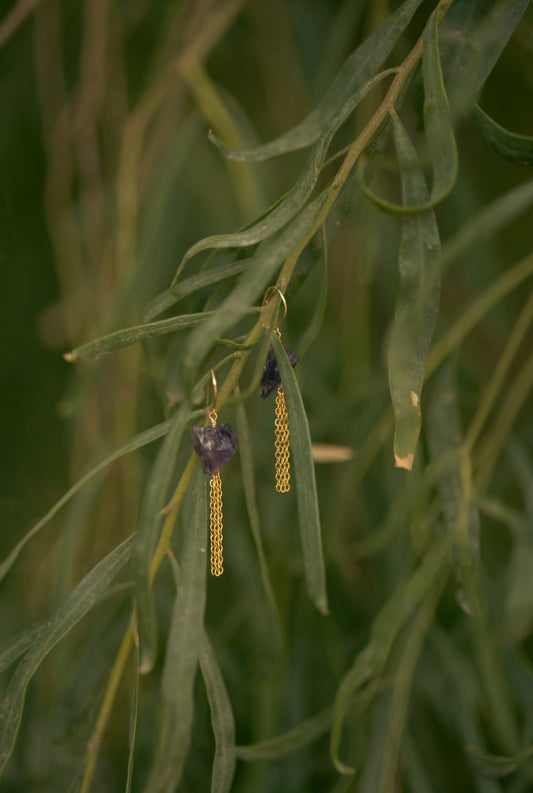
[[271, 379], [215, 446]]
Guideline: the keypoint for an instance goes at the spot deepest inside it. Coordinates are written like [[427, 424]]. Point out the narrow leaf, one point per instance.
[[287, 742], [72, 610], [510, 145], [143, 439], [283, 211], [416, 307], [370, 662], [455, 488], [222, 720], [304, 470], [440, 138], [134, 715], [190, 285], [124, 338], [357, 70], [183, 648], [269, 257], [473, 35], [153, 500]]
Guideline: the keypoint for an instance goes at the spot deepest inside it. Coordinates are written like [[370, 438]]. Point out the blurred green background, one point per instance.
[[107, 177]]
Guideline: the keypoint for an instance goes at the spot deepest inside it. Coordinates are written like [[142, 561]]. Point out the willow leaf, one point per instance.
[[304, 470], [356, 71], [143, 439], [416, 306], [487, 222], [287, 742], [247, 472], [222, 720], [183, 647], [370, 662], [455, 488], [438, 128], [127, 336], [513, 147], [134, 716], [190, 285], [473, 35], [72, 610], [268, 258], [153, 501], [284, 210]]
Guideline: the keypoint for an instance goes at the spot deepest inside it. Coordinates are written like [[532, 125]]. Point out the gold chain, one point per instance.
[[283, 465], [215, 503]]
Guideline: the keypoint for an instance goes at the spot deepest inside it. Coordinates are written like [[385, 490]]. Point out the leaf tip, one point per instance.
[[404, 462]]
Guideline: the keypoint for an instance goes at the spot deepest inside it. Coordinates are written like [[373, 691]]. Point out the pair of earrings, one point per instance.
[[217, 444]]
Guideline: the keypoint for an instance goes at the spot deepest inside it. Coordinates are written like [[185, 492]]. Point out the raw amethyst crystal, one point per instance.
[[215, 446], [271, 379]]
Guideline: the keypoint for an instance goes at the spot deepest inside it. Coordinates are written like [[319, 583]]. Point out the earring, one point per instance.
[[215, 446], [271, 381]]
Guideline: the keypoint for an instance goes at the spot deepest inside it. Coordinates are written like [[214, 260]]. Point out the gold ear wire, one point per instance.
[[213, 416], [268, 295], [281, 423]]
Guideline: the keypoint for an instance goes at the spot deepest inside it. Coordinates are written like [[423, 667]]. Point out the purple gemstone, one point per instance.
[[271, 379], [215, 446]]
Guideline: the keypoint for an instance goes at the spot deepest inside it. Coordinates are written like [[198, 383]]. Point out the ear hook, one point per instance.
[[213, 412], [268, 295]]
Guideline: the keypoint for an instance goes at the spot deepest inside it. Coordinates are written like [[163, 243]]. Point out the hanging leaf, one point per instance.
[[356, 71], [416, 305], [183, 647], [454, 483], [81, 600], [304, 471], [513, 147]]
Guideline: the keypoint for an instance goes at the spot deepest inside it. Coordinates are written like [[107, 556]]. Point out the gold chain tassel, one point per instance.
[[283, 465], [215, 504]]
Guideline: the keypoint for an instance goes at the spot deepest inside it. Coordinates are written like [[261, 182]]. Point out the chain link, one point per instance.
[[215, 503], [282, 444]]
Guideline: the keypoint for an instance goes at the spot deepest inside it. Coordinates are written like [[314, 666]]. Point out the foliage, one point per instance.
[[375, 622]]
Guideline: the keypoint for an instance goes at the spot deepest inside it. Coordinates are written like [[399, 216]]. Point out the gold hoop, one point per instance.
[[213, 411], [268, 296]]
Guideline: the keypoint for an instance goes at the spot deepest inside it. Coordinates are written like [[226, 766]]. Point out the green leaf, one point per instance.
[[487, 222], [416, 307], [513, 147], [268, 258], [370, 662], [317, 320], [127, 336], [143, 439], [473, 35], [283, 211], [440, 138], [356, 71], [134, 715], [153, 500], [190, 285], [381, 758], [247, 472], [304, 470], [81, 600], [222, 720], [287, 742], [455, 487], [21, 642], [183, 647]]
